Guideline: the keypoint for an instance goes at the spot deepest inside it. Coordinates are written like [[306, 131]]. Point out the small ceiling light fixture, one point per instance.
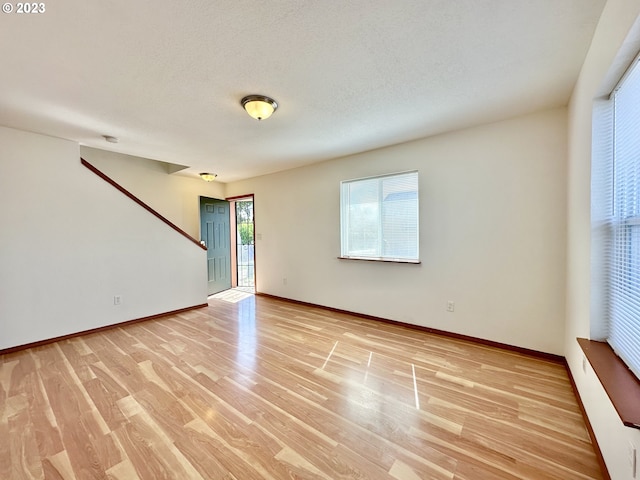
[[208, 177], [259, 106], [110, 139]]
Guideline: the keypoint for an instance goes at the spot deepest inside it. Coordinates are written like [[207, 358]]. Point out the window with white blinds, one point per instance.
[[616, 216], [379, 217]]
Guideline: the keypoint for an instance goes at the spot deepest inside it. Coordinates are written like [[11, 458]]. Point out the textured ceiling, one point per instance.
[[166, 76]]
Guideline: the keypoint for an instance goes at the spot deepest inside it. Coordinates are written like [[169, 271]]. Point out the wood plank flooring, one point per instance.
[[257, 388]]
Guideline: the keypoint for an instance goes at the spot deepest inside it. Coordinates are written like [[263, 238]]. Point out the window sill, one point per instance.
[[621, 385], [384, 260]]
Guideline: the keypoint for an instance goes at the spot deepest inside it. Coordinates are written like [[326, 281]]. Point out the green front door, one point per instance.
[[214, 228]]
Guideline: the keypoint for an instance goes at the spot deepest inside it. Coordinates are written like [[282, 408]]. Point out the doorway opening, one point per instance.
[[243, 256]]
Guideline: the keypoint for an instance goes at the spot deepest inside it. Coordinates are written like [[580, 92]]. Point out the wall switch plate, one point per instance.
[[451, 306], [117, 300], [584, 364], [284, 281]]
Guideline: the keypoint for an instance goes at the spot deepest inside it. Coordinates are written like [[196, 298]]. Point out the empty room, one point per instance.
[[320, 240]]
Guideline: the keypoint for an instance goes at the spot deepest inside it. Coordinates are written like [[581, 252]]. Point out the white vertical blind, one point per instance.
[[379, 217], [622, 196]]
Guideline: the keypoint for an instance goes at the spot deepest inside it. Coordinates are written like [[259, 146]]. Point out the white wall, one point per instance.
[[614, 44], [176, 197], [492, 220], [69, 242]]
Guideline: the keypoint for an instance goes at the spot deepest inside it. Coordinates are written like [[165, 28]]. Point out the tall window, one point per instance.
[[616, 216], [379, 217]]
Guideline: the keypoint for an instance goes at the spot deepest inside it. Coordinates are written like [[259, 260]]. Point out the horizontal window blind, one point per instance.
[[623, 195], [601, 217], [379, 217]]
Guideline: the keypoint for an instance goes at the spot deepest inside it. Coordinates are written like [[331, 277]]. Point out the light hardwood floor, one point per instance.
[[257, 388]]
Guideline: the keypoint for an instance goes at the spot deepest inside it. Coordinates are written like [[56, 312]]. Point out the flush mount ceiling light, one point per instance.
[[259, 106], [208, 177]]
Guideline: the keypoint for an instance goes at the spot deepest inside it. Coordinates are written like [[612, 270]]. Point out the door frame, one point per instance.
[[234, 228]]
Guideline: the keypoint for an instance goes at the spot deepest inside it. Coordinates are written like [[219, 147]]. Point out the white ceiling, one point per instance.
[[166, 77]]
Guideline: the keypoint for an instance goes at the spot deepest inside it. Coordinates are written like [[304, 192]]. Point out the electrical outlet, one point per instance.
[[451, 306], [117, 300], [633, 459], [584, 364]]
